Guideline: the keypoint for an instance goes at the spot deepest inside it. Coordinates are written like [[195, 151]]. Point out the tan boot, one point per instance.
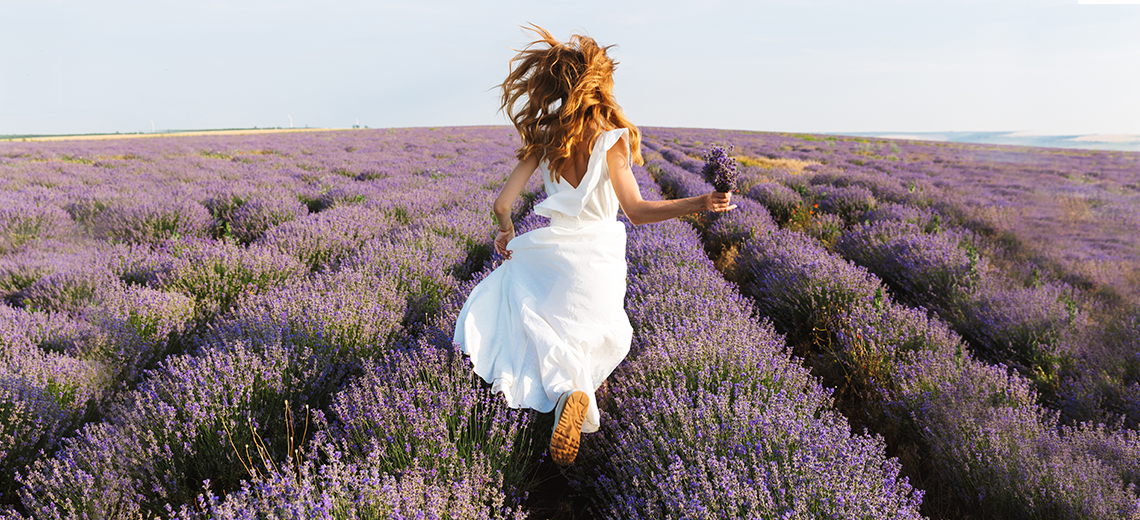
[[568, 430]]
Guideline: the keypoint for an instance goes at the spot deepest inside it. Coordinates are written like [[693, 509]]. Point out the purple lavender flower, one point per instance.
[[19, 270], [137, 327], [217, 273], [683, 160], [777, 198], [676, 181], [926, 218], [720, 168], [419, 261], [427, 409], [160, 441], [141, 264], [1004, 454], [1022, 325], [327, 237], [799, 284], [31, 419], [252, 219], [53, 332], [24, 221], [922, 268], [848, 202], [335, 318], [73, 289], [43, 393], [152, 221], [732, 229], [341, 488], [710, 416]]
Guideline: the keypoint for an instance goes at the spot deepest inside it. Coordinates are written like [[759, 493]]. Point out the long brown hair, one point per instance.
[[559, 95]]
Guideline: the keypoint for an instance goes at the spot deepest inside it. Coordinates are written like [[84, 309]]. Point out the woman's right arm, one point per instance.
[[641, 211], [511, 189]]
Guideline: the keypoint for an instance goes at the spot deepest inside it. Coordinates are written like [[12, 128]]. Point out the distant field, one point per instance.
[[271, 313], [173, 133], [1108, 142], [1072, 209]]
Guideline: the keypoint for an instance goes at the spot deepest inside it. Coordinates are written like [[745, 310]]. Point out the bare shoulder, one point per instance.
[[530, 163]]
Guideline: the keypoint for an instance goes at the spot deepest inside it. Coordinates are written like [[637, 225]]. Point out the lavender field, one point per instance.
[[259, 327]]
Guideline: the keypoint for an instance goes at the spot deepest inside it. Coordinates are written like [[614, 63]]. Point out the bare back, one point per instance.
[[575, 166]]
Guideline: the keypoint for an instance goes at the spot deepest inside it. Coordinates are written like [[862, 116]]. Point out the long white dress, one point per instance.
[[552, 318]]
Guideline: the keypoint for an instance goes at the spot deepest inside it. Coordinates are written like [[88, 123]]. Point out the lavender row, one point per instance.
[[1000, 188], [418, 433], [1037, 325], [924, 380], [1064, 213], [244, 295], [150, 190], [365, 191], [1016, 315], [710, 417], [720, 231], [918, 374], [929, 266], [64, 370], [1024, 327]]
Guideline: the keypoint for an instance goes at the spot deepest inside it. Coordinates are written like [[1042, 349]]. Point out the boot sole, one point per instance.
[[568, 434]]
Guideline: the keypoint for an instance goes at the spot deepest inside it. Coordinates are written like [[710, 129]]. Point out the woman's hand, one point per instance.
[[501, 242], [719, 202]]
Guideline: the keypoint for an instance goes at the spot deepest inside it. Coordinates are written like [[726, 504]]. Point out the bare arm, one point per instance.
[[511, 189], [642, 211]]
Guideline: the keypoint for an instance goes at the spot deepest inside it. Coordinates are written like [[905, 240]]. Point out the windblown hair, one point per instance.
[[558, 95]]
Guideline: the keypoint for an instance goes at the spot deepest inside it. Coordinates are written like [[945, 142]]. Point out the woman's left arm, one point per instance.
[[640, 211], [511, 189]]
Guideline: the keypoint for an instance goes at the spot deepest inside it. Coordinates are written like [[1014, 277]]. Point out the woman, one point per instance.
[[549, 325]]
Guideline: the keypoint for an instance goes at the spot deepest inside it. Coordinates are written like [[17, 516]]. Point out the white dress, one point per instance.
[[552, 318]]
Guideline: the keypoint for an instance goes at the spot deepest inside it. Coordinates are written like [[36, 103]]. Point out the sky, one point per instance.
[[1033, 66]]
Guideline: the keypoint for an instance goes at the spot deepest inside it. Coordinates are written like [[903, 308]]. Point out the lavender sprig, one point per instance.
[[720, 169]]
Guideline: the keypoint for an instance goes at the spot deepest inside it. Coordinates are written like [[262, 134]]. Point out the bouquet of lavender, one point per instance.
[[720, 169]]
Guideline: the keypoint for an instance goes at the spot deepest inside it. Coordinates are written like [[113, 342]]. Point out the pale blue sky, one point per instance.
[[1042, 66]]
